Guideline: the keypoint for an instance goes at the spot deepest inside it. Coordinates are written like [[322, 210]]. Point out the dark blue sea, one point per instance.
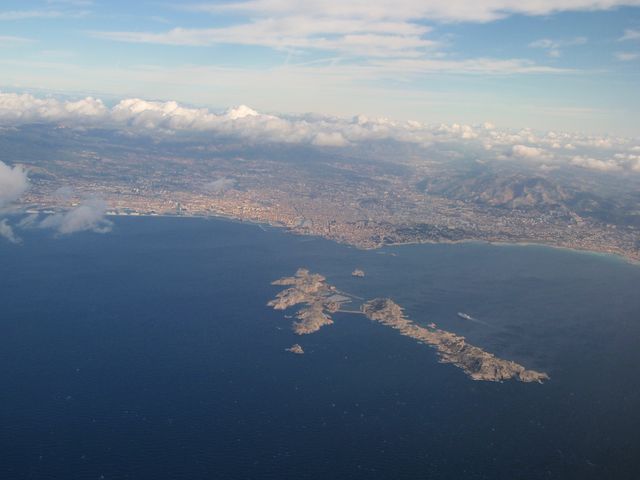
[[149, 353]]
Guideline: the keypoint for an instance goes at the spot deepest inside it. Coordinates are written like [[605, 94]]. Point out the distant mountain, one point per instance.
[[532, 192], [513, 191]]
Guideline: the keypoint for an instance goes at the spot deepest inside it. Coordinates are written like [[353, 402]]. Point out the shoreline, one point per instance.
[[624, 258], [529, 243], [619, 256]]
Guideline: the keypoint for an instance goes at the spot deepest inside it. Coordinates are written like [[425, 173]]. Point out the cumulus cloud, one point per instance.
[[595, 164], [137, 116], [140, 115], [13, 183], [241, 121], [523, 151], [25, 108], [241, 112], [628, 160], [334, 139], [88, 216]]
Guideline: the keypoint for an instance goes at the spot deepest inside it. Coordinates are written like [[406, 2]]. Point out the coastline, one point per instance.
[[528, 243], [611, 255]]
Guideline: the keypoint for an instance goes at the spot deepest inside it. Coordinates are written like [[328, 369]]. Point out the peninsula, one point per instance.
[[452, 348]]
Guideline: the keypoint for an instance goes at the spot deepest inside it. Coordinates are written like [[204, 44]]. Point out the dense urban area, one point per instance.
[[376, 197]]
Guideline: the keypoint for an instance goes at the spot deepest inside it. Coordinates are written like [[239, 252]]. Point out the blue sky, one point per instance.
[[565, 64]]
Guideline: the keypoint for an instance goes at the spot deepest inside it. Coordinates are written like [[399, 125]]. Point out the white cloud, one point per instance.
[[595, 164], [372, 28], [6, 232], [523, 151], [439, 10], [88, 216], [629, 160], [554, 47], [334, 139], [13, 183], [548, 168], [626, 56], [241, 112], [27, 108], [241, 121], [630, 34], [137, 116], [474, 66], [353, 36]]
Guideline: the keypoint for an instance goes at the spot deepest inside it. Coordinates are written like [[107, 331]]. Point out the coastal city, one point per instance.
[[364, 203]]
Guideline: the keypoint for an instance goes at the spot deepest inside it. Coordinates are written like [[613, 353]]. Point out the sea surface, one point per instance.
[[149, 353]]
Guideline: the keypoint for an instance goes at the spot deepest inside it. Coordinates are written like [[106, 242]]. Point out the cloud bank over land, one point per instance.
[[88, 216], [595, 164], [169, 118], [524, 151], [20, 109]]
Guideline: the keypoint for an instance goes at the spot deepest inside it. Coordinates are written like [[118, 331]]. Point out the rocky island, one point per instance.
[[295, 348], [452, 348], [312, 290], [320, 300]]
